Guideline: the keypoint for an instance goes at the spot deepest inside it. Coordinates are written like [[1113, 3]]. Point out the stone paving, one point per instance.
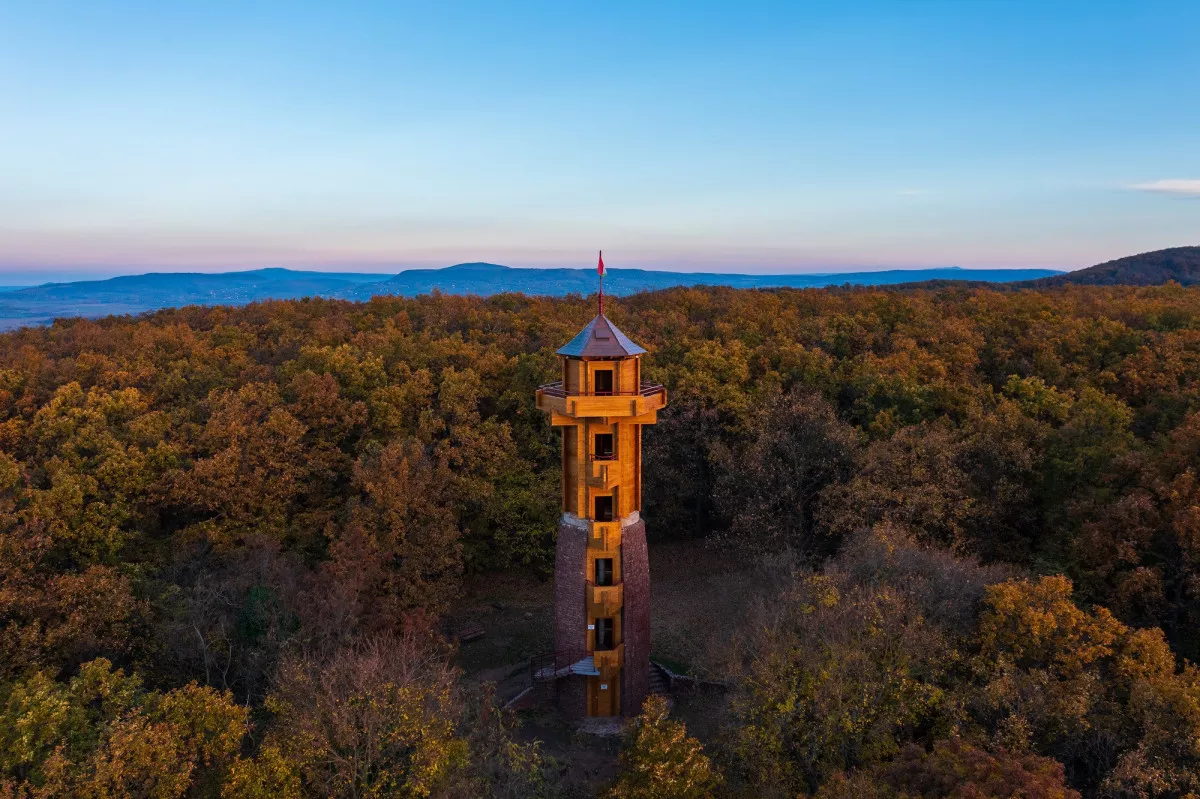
[[606, 725]]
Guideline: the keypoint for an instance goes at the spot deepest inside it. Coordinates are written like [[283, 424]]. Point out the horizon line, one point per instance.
[[26, 277]]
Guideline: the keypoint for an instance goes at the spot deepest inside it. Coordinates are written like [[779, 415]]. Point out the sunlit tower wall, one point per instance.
[[602, 573]]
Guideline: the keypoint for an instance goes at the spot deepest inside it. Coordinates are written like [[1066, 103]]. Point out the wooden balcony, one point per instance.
[[603, 472], [604, 536], [605, 600], [554, 398], [610, 658]]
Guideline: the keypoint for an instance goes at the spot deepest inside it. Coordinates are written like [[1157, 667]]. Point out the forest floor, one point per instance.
[[699, 599]]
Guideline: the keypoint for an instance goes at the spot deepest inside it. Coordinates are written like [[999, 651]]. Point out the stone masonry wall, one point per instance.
[[570, 611], [635, 573], [572, 697]]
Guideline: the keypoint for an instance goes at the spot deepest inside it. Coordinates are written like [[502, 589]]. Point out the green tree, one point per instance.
[[769, 487], [102, 734], [375, 719], [659, 760], [834, 675], [1109, 702], [954, 770]]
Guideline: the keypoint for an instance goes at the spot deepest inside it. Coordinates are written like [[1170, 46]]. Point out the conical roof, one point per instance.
[[600, 339]]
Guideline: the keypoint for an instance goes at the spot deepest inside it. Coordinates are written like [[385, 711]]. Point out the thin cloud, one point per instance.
[[1190, 188]]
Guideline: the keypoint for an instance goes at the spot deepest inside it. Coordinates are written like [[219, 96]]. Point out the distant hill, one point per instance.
[[485, 279], [1181, 264], [134, 294]]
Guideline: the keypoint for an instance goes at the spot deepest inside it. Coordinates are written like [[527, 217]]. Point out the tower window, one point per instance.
[[604, 509], [604, 381], [603, 449], [604, 571], [604, 634]]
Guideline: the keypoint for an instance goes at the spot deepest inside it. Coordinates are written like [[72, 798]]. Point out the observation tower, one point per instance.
[[601, 663]]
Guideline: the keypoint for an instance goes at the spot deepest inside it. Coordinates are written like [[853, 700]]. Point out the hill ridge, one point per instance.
[[1181, 264], [132, 294]]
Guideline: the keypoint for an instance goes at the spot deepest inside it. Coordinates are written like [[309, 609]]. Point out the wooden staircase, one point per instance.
[[564, 663]]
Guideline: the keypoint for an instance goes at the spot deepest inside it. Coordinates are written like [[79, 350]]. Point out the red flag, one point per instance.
[[600, 265]]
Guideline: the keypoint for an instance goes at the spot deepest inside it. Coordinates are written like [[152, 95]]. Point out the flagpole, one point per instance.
[[600, 298]]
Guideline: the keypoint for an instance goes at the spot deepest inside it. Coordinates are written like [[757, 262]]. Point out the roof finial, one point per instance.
[[600, 270]]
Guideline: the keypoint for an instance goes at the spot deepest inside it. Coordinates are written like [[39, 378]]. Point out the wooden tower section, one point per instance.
[[601, 666]]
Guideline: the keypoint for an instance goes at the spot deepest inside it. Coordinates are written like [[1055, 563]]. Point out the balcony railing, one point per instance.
[[575, 663], [563, 663], [604, 456], [558, 390]]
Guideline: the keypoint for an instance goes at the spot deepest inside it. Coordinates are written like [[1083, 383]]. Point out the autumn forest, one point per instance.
[[230, 541]]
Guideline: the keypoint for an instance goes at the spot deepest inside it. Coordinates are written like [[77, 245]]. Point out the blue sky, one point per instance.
[[743, 136]]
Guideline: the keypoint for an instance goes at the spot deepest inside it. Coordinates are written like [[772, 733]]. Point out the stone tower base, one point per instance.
[[570, 609], [570, 612], [635, 573]]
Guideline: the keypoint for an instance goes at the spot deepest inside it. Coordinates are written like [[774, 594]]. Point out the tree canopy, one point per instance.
[[988, 500]]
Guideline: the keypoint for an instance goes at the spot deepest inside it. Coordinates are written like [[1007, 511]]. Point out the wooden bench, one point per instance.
[[471, 631]]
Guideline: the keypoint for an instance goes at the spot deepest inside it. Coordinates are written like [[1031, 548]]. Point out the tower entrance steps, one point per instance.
[[660, 683]]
